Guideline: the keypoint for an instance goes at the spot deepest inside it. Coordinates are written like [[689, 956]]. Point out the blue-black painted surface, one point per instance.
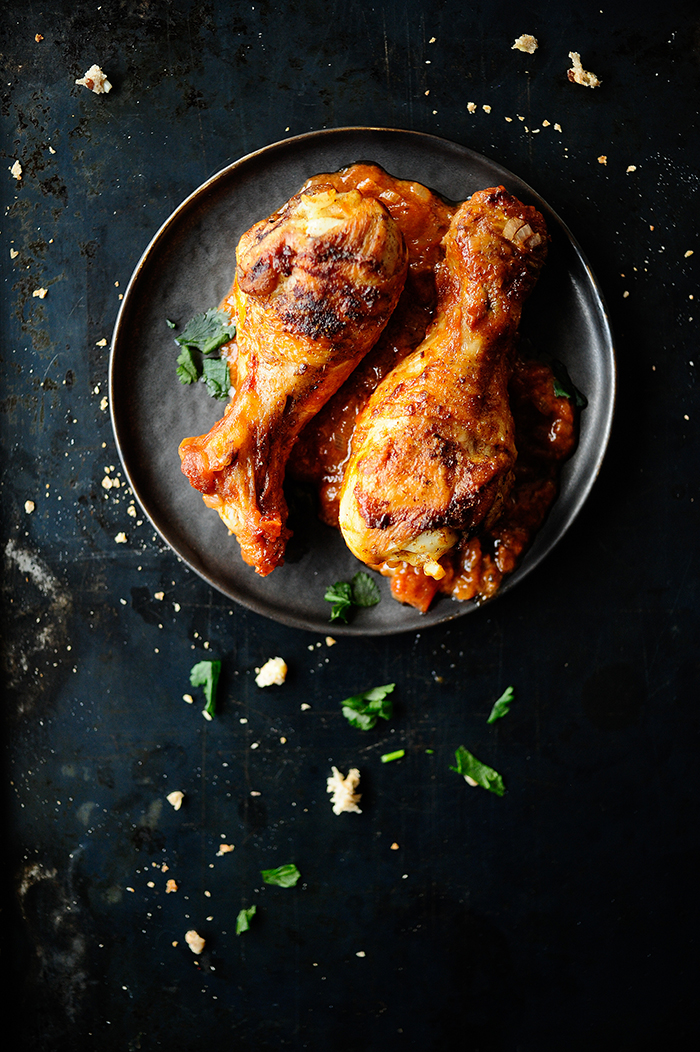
[[561, 916]]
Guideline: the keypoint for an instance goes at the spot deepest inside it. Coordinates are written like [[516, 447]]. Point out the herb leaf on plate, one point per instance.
[[361, 590], [205, 674], [501, 705], [363, 710], [216, 376], [364, 590], [244, 918], [283, 876], [340, 594], [477, 773], [188, 370], [207, 332]]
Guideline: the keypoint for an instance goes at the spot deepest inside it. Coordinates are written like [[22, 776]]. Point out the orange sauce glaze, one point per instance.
[[545, 424]]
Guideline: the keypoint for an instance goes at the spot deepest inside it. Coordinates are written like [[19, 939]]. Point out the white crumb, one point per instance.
[[120, 538], [224, 849], [578, 75], [40, 293], [273, 672], [175, 798], [170, 887], [344, 797], [195, 941], [29, 506], [16, 171], [526, 43], [95, 80]]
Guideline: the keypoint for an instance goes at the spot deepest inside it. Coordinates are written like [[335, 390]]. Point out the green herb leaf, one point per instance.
[[188, 370], [340, 594], [473, 771], [364, 590], [206, 674], [215, 374], [169, 323], [283, 876], [430, 751], [389, 756], [363, 710], [564, 387], [501, 705], [244, 918], [207, 332]]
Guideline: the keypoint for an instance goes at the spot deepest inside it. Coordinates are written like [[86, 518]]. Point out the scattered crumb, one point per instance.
[[255, 745], [486, 109], [330, 641], [625, 295], [557, 127], [101, 343], [164, 868], [40, 294], [360, 953], [344, 797], [304, 706], [160, 596], [254, 792], [519, 117], [394, 847], [150, 884], [207, 894], [188, 698], [631, 168], [283, 741], [602, 159], [131, 890], [224, 849], [13, 253], [578, 75], [509, 119], [29, 506], [16, 171], [104, 403], [96, 81], [207, 715], [51, 149], [526, 43], [195, 941], [471, 106], [175, 798], [174, 942], [689, 253], [170, 886], [273, 671], [545, 124], [120, 538], [39, 37]]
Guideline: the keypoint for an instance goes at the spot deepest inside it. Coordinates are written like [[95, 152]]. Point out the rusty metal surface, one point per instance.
[[562, 915]]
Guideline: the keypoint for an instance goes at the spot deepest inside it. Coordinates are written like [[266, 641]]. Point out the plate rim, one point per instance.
[[532, 557]]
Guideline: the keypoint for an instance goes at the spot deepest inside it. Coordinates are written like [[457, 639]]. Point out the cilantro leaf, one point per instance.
[[389, 756], [340, 594], [170, 324], [364, 590], [501, 705], [564, 387], [284, 876], [207, 332], [188, 370], [206, 674], [363, 710], [244, 918], [477, 773], [216, 376]]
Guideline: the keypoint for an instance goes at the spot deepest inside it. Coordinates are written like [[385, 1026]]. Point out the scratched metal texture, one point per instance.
[[562, 916]]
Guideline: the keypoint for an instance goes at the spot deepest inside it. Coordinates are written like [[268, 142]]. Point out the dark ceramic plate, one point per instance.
[[188, 267]]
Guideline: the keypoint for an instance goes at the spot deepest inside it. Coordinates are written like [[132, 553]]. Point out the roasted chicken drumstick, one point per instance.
[[433, 450], [315, 285]]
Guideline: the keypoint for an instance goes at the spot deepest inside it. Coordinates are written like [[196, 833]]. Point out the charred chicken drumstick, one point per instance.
[[433, 450], [315, 285]]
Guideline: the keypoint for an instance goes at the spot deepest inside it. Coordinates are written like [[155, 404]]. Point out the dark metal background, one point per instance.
[[562, 916]]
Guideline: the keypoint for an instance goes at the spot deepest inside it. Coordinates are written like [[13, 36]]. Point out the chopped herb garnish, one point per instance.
[[389, 756], [205, 674], [363, 710], [216, 376], [244, 918], [362, 590], [283, 876], [170, 324], [501, 705], [564, 386], [477, 773], [188, 370], [430, 751], [207, 332]]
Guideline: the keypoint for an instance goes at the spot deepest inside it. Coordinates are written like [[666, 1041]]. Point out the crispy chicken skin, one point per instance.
[[433, 450], [315, 285]]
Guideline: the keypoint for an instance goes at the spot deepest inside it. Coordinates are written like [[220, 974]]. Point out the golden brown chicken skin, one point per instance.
[[433, 450], [315, 285]]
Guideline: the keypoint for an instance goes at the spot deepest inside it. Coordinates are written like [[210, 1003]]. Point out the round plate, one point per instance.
[[189, 266]]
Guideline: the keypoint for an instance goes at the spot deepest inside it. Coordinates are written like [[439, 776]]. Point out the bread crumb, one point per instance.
[[38, 37], [603, 159], [545, 124], [224, 849], [486, 109], [526, 43], [95, 80], [360, 953], [188, 698], [40, 293], [625, 295], [578, 75], [101, 343], [631, 168], [330, 641], [29, 506], [471, 106], [160, 596], [170, 887], [273, 672], [120, 538], [689, 253], [104, 403], [394, 847], [509, 119], [13, 253], [174, 942], [164, 868], [344, 797], [195, 941], [175, 798], [557, 127], [16, 171]]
